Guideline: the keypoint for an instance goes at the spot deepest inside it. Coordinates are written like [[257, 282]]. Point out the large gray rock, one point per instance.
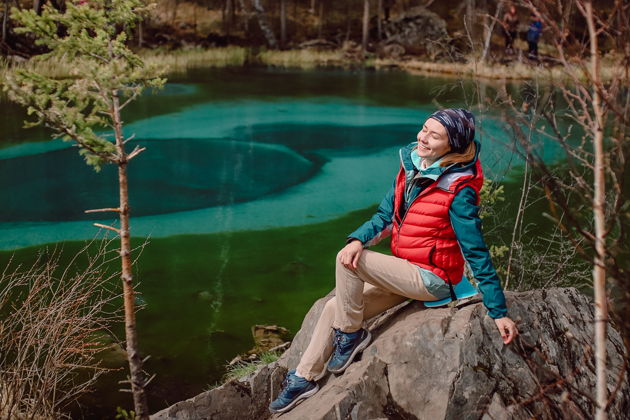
[[417, 31], [444, 364]]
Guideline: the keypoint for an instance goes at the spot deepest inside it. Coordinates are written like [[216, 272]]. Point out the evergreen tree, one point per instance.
[[106, 77]]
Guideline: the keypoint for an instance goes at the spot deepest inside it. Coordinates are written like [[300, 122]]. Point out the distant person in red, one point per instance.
[[510, 28]]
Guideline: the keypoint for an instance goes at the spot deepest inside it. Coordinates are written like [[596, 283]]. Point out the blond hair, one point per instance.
[[467, 156]]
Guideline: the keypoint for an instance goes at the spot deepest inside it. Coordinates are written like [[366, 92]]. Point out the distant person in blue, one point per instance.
[[533, 35], [432, 215]]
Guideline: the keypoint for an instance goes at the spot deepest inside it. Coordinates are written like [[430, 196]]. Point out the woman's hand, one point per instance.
[[507, 328], [349, 254]]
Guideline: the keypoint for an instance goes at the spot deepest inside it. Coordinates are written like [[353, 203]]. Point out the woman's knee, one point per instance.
[[338, 258], [359, 261], [338, 264]]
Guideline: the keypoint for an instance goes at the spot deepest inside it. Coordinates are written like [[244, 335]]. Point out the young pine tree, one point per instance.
[[106, 77]]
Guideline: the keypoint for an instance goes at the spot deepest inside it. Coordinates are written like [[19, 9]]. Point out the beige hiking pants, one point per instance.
[[378, 283]]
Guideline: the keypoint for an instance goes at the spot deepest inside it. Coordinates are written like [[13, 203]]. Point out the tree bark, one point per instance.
[[320, 20], [490, 29], [140, 34], [599, 196], [141, 407], [174, 14], [232, 15], [265, 27], [245, 10], [347, 14], [228, 9], [366, 22], [283, 23], [5, 16], [37, 6], [379, 20], [469, 18]]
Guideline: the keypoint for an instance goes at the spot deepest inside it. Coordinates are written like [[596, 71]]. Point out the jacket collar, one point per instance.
[[434, 171]]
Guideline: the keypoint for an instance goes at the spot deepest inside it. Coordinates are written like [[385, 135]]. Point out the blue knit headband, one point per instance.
[[460, 127]]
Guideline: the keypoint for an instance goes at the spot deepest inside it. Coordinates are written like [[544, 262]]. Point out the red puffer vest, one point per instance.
[[425, 236]]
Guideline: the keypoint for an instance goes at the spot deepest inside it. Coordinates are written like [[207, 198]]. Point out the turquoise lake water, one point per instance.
[[229, 151], [221, 157]]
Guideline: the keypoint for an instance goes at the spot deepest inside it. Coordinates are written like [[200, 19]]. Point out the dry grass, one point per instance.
[[178, 61], [168, 61], [181, 60], [52, 67], [480, 70], [307, 58], [472, 69]]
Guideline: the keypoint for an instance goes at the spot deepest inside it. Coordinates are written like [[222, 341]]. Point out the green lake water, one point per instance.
[[251, 180]]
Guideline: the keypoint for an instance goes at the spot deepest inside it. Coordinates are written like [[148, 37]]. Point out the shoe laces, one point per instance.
[[288, 380], [339, 341]]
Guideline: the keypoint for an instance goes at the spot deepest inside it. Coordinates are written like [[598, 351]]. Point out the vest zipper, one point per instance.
[[407, 211]]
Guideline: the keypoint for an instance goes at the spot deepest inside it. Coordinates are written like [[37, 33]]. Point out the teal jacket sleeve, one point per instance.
[[464, 214], [380, 225]]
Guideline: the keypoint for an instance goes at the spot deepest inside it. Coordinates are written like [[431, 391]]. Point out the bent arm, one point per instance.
[[464, 214]]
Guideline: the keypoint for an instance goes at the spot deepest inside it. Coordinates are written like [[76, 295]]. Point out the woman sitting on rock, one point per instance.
[[432, 215]]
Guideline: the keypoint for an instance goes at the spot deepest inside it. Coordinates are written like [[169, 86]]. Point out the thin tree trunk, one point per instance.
[[195, 19], [379, 20], [37, 6], [366, 22], [599, 269], [174, 14], [312, 9], [518, 223], [469, 19], [224, 6], [488, 38], [320, 21], [265, 27], [232, 14], [347, 22], [245, 10], [283, 23], [140, 34], [131, 336], [228, 9], [5, 15]]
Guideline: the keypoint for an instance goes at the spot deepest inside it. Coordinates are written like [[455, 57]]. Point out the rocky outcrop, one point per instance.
[[417, 31], [447, 363]]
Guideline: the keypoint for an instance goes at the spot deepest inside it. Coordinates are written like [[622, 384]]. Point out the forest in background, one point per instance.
[[395, 29]]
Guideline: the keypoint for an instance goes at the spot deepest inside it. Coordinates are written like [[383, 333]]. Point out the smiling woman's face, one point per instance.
[[432, 140]]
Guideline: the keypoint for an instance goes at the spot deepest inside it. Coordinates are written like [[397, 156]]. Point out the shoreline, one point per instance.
[[177, 61]]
